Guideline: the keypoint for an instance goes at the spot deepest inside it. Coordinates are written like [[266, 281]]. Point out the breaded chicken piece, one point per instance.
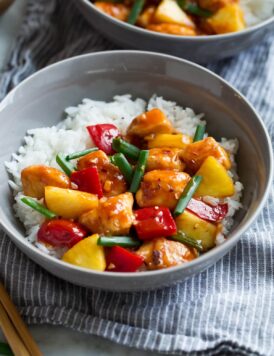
[[112, 180], [162, 253], [114, 216], [161, 188], [119, 11], [35, 178], [165, 158], [150, 122], [196, 152]]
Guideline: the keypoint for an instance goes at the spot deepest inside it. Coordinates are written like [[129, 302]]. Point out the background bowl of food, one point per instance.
[[159, 136], [201, 31]]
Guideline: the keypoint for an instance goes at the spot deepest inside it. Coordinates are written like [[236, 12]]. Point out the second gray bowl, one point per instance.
[[200, 49]]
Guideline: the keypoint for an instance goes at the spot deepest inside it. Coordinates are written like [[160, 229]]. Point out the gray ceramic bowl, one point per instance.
[[40, 101], [200, 49]]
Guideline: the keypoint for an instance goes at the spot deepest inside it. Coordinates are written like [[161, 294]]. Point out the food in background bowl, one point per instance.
[[126, 186], [189, 17]]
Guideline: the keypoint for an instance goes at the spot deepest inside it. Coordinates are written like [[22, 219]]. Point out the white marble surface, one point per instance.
[[59, 341], [56, 340]]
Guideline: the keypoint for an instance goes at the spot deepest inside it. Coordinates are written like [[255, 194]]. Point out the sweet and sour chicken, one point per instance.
[[35, 178], [111, 179], [161, 188], [178, 17], [114, 216], [165, 159], [123, 208], [162, 253]]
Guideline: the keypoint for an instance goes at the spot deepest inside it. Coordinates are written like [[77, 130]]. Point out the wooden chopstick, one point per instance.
[[18, 324], [14, 340]]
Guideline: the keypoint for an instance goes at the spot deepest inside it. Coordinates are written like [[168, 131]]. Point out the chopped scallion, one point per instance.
[[64, 164], [183, 238], [122, 146], [187, 194], [135, 11], [125, 167], [80, 153], [139, 171], [199, 133], [123, 241], [38, 207]]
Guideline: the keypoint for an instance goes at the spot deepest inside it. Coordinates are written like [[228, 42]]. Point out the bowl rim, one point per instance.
[[226, 246], [203, 38]]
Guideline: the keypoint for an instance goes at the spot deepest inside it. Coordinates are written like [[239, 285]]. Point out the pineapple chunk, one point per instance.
[[227, 19], [216, 181], [68, 203], [87, 254], [170, 12], [198, 229], [168, 140]]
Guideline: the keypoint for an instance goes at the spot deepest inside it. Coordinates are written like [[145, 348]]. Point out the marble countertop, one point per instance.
[[59, 341], [56, 340]]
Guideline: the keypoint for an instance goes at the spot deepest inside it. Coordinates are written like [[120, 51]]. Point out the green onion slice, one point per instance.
[[122, 163], [139, 171], [80, 153], [64, 164], [182, 4], [187, 194], [135, 11], [199, 133], [194, 9], [38, 207], [123, 241], [122, 146], [183, 238]]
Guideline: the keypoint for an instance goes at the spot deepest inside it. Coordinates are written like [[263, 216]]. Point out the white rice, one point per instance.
[[256, 11], [42, 145]]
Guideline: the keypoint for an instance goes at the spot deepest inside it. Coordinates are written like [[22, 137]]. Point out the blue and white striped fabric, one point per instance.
[[228, 309]]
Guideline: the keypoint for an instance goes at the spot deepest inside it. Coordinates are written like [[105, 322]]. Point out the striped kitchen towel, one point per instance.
[[228, 309]]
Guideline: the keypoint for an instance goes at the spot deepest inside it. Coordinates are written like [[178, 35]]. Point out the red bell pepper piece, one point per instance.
[[103, 135], [88, 180], [208, 212], [61, 233], [154, 222], [123, 260]]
